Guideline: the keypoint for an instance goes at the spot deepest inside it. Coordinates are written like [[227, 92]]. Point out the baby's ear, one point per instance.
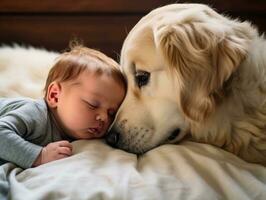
[[53, 93]]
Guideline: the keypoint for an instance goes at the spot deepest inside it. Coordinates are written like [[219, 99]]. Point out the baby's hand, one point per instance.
[[54, 151]]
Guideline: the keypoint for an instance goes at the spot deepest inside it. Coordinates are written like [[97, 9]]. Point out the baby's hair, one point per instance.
[[70, 64]]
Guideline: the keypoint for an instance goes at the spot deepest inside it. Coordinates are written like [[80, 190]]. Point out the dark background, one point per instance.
[[100, 24]]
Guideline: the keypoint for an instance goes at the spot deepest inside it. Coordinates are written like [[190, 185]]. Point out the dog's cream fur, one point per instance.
[[207, 78]]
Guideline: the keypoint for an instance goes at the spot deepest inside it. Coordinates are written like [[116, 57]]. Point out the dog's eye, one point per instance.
[[174, 134], [142, 78]]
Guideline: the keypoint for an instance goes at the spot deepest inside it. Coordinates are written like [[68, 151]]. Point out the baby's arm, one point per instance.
[[14, 148], [54, 151], [22, 125]]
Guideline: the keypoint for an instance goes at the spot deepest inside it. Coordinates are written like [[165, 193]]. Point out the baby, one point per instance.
[[83, 92]]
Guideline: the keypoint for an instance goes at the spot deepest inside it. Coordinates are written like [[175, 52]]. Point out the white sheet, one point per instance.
[[187, 171], [97, 171]]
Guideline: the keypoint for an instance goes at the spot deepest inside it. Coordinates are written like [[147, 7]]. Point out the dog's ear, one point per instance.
[[203, 53]]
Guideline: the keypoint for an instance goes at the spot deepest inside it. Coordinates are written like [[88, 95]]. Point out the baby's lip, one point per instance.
[[95, 131]]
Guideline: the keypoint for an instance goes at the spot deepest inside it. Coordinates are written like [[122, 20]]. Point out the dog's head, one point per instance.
[[178, 60]]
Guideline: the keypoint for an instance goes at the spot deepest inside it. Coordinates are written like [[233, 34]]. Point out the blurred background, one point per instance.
[[100, 24]]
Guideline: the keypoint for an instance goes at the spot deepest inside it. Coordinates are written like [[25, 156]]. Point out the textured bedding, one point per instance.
[[97, 171]]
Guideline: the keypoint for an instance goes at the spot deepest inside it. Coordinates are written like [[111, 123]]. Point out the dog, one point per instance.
[[193, 74]]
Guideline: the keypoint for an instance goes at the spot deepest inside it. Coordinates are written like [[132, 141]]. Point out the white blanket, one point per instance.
[[96, 171]]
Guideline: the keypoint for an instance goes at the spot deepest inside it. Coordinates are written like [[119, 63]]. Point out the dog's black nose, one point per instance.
[[112, 138]]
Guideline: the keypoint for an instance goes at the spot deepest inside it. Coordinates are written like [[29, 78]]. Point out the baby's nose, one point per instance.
[[102, 117]]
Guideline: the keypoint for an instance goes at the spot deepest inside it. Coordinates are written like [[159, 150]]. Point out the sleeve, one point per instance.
[[14, 127]]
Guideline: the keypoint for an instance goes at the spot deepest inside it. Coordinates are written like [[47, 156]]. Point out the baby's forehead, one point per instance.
[[98, 74], [98, 84]]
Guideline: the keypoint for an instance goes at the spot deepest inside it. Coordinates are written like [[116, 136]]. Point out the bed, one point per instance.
[[97, 171]]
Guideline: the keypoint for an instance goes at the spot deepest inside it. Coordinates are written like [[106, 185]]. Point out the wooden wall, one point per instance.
[[101, 24]]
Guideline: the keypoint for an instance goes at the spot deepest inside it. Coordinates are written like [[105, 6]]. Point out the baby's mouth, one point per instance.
[[95, 131]]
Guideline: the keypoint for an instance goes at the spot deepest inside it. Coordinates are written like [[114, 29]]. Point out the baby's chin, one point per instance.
[[85, 135]]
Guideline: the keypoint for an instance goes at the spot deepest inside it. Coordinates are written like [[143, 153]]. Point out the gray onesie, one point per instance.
[[25, 127]]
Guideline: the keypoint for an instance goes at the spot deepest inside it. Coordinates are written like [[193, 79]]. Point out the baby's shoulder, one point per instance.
[[24, 106], [37, 107], [9, 104]]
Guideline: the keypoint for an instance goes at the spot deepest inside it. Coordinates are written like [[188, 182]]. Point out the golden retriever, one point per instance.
[[193, 73]]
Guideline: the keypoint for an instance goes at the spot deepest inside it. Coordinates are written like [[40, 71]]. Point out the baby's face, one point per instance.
[[87, 105]]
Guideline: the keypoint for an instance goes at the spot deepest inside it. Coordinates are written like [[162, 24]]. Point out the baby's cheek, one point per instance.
[[83, 115], [79, 121]]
